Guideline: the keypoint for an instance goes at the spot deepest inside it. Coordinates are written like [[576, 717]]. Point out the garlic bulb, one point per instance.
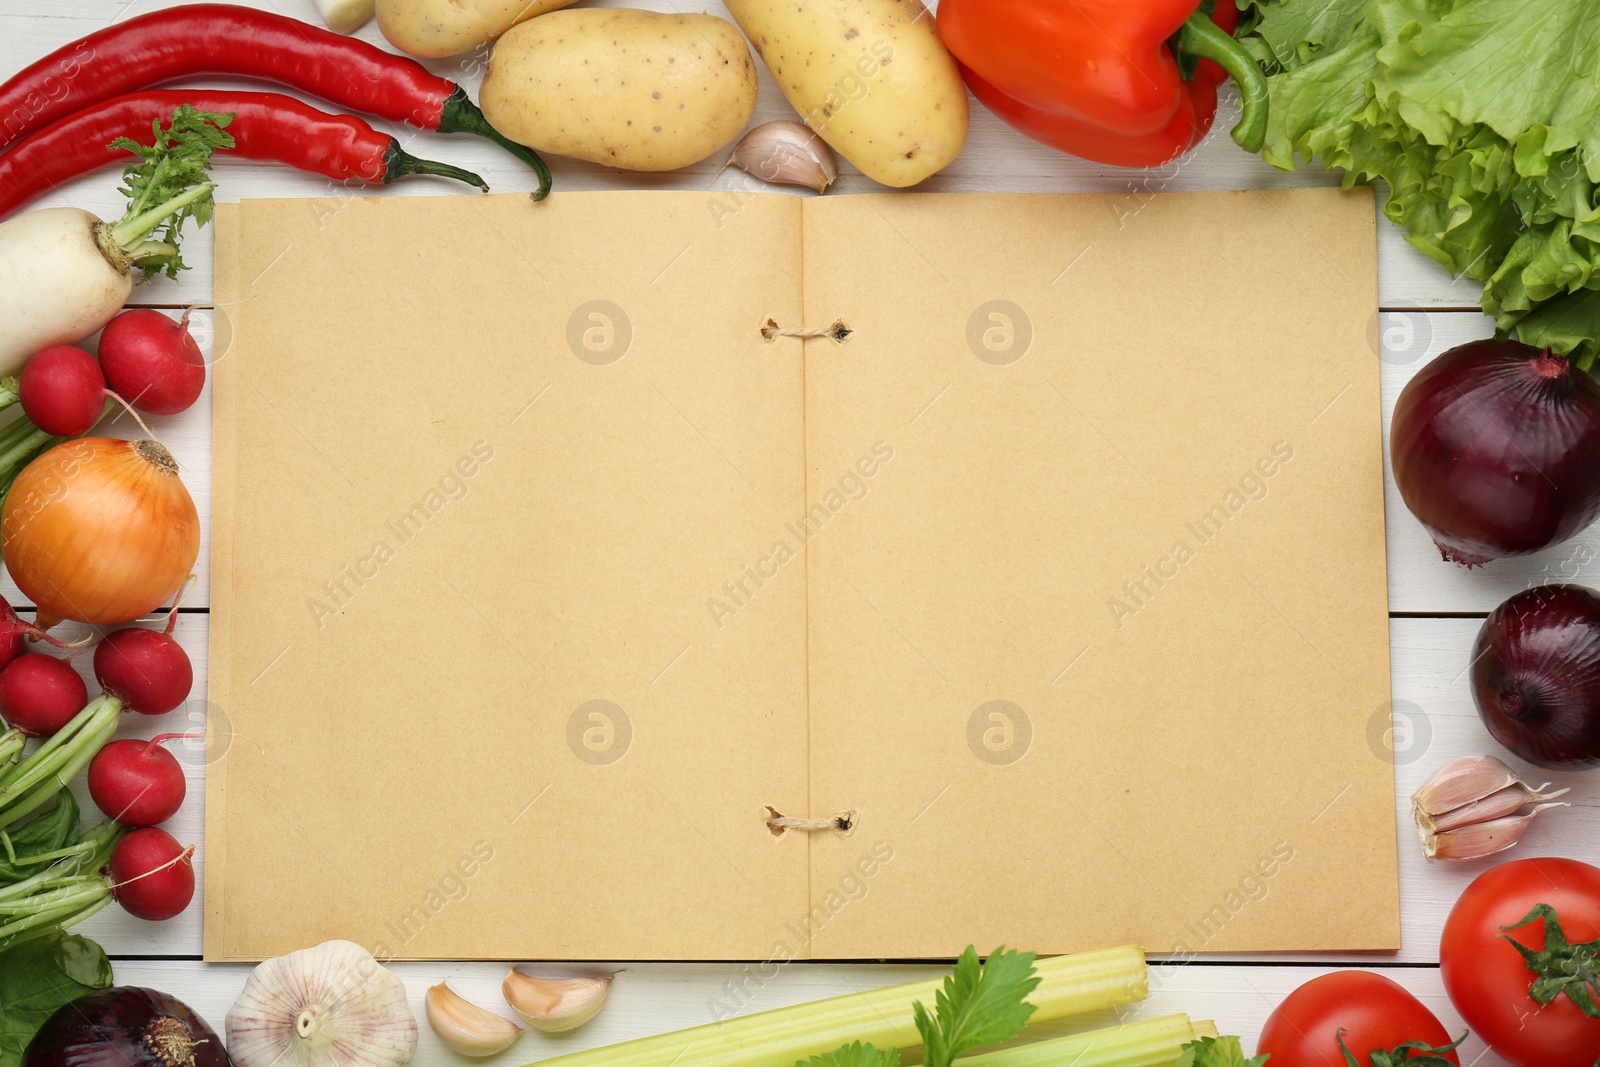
[[328, 1006], [1473, 807], [555, 1004], [465, 1027], [786, 153]]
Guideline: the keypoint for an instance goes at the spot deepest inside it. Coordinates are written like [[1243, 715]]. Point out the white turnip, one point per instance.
[[64, 272]]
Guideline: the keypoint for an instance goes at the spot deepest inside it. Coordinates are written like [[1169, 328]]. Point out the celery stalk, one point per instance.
[[1150, 1043], [1069, 985]]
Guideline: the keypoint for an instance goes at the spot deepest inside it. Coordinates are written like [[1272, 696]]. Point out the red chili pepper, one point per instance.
[[1103, 79], [265, 126], [229, 40]]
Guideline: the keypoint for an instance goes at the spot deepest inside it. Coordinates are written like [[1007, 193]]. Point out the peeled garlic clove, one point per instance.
[[328, 1006], [465, 1027], [786, 153], [1481, 839], [555, 1004]]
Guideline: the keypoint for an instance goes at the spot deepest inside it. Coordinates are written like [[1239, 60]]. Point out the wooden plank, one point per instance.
[[654, 998]]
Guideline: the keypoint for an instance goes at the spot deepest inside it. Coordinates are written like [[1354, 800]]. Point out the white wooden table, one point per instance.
[[1435, 608]]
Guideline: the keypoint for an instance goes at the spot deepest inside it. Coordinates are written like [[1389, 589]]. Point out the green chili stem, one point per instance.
[[1204, 38]]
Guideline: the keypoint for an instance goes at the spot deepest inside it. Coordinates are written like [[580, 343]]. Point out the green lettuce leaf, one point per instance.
[[1483, 121]]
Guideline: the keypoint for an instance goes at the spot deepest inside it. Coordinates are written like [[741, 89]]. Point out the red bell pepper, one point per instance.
[[1100, 78]]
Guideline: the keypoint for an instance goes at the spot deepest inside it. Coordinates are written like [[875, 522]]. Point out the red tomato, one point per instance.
[[1488, 980], [1374, 1012]]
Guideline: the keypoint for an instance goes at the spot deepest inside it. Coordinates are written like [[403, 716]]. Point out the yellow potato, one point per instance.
[[435, 28], [640, 90], [871, 77]]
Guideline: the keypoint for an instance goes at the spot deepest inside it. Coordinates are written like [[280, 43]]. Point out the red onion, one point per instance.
[[125, 1026], [1494, 446], [1536, 675]]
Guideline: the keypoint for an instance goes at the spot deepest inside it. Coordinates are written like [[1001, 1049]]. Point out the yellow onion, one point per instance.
[[99, 530]]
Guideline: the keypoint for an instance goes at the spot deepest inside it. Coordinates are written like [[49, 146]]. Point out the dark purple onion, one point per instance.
[[1536, 675], [1495, 447], [125, 1026]]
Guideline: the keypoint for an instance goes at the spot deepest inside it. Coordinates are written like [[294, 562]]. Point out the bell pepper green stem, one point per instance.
[[1204, 38]]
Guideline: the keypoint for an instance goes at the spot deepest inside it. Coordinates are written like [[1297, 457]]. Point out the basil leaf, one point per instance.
[[39, 976]]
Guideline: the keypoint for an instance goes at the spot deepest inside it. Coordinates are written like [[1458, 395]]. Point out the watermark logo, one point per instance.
[[1400, 338], [599, 732], [999, 332], [213, 333], [1400, 731], [599, 332], [999, 732]]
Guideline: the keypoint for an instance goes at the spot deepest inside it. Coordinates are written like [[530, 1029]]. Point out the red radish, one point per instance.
[[14, 634], [153, 361], [146, 669], [137, 783], [152, 876], [62, 390], [40, 694]]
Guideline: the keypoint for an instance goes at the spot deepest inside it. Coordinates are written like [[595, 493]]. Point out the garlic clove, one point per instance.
[[346, 16], [786, 153], [1476, 840], [1462, 781], [1506, 802], [555, 1004], [465, 1027], [1473, 806], [328, 1006]]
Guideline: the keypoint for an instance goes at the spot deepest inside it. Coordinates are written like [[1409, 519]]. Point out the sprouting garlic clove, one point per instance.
[[465, 1027], [1476, 840], [786, 153], [328, 1006], [1473, 806], [555, 1004]]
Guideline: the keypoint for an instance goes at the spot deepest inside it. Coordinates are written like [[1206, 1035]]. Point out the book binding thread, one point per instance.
[[837, 332], [780, 824]]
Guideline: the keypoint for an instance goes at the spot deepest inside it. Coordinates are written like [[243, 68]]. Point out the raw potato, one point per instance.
[[640, 90], [871, 76], [436, 28]]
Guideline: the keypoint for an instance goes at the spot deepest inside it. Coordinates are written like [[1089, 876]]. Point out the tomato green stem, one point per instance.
[[1560, 966]]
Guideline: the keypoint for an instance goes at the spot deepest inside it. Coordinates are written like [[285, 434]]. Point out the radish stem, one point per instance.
[[29, 785], [133, 229]]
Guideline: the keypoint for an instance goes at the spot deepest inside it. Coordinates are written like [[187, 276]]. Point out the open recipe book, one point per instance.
[[547, 568]]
